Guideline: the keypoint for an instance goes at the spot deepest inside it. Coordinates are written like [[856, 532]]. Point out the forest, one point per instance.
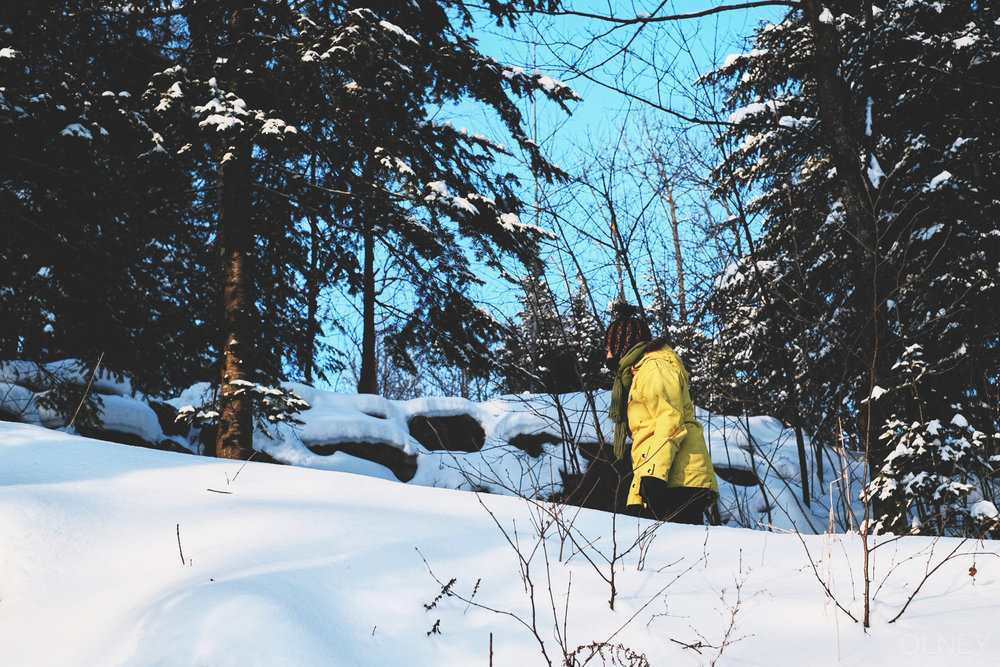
[[377, 198]]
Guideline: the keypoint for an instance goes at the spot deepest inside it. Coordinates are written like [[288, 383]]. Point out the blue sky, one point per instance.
[[604, 121]]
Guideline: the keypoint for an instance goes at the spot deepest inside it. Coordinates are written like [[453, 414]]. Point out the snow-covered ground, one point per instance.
[[117, 555], [367, 434]]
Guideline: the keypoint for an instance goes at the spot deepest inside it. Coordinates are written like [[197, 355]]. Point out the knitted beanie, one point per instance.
[[626, 330]]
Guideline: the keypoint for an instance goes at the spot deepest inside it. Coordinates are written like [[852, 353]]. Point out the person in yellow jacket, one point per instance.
[[672, 475]]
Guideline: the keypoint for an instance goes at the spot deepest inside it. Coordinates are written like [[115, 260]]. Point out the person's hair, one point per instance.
[[625, 331]]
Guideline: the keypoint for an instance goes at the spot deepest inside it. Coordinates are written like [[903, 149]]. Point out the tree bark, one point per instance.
[[675, 229], [234, 439], [668, 198], [621, 257], [800, 443], [835, 115], [312, 289], [664, 186], [235, 435], [368, 376], [312, 305], [874, 341]]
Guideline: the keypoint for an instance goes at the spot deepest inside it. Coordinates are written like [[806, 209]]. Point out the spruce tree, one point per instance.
[[554, 347], [879, 303], [101, 249]]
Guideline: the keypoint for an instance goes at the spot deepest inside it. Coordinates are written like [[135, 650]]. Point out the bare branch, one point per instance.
[[653, 18]]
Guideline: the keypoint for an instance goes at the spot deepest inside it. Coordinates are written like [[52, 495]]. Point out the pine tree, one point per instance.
[[534, 342]]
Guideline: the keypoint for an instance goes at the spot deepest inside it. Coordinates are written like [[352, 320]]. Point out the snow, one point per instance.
[[875, 173], [550, 85], [73, 371], [393, 28], [966, 40], [395, 163], [502, 468], [115, 555], [754, 109], [555, 87], [826, 16], [224, 112], [7, 52], [513, 71], [937, 181], [439, 192], [278, 127], [757, 449], [739, 271], [984, 509], [509, 221], [128, 415], [438, 189], [174, 92], [800, 123], [734, 58], [927, 233], [19, 402], [77, 130]]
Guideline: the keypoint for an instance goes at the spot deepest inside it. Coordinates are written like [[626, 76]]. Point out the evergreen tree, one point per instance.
[[552, 349], [263, 94], [100, 248], [849, 289]]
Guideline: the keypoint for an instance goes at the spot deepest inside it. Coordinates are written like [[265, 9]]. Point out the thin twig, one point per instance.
[[927, 575], [249, 459], [86, 391], [183, 562], [822, 583]]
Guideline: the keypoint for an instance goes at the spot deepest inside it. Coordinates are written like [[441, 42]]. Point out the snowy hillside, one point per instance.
[[526, 446], [117, 555]]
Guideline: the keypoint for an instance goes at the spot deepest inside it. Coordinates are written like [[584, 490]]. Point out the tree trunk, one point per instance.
[[616, 243], [235, 435], [621, 256], [234, 439], [368, 377], [675, 231], [861, 217], [312, 304], [835, 115], [803, 467], [670, 208], [312, 290]]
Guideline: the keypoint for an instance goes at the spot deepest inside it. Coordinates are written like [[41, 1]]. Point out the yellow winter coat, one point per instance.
[[667, 440]]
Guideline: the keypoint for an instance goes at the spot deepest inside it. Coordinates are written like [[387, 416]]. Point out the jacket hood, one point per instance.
[[659, 350]]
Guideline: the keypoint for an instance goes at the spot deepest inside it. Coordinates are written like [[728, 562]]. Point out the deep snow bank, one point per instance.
[[114, 555]]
